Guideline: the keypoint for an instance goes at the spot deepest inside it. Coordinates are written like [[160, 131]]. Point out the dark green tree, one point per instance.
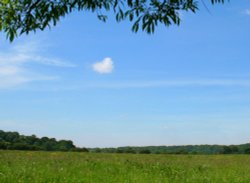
[[11, 136], [247, 151], [226, 150], [3, 145], [31, 140], [234, 149], [144, 151], [65, 145], [15, 141], [23, 16]]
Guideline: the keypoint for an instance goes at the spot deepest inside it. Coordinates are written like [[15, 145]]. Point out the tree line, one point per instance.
[[185, 149], [15, 141]]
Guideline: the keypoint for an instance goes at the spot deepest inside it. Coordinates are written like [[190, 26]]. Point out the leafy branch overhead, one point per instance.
[[23, 16]]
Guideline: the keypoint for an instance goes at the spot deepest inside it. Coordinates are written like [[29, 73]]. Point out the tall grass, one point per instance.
[[72, 167]]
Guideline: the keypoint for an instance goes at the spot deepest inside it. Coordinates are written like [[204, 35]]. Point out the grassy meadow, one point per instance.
[[75, 167]]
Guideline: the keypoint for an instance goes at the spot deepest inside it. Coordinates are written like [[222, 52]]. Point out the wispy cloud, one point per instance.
[[158, 84], [247, 12], [52, 61], [30, 52], [174, 83], [13, 70], [106, 66]]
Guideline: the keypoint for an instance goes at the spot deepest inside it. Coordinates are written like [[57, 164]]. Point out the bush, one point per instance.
[[145, 151], [247, 151], [83, 149]]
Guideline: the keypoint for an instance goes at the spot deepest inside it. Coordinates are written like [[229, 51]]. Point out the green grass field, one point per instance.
[[48, 167]]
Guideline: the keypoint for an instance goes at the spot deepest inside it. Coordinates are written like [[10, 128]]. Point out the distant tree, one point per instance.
[[23, 16], [11, 136], [181, 151], [247, 151], [119, 150], [44, 139], [193, 152], [31, 139], [65, 145], [234, 149], [144, 151], [3, 145], [2, 134], [97, 150], [48, 146], [14, 141], [226, 150], [129, 150], [77, 149], [20, 146]]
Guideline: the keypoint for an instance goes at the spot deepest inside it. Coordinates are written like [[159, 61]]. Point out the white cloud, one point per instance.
[[13, 69], [9, 70], [52, 61], [247, 12], [30, 52], [18, 79], [106, 66]]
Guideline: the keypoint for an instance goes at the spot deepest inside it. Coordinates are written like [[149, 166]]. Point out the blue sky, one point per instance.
[[99, 84]]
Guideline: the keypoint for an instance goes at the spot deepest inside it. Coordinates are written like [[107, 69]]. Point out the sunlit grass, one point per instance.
[[21, 166]]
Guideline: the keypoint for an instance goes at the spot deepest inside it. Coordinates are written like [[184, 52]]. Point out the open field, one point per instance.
[[24, 166]]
